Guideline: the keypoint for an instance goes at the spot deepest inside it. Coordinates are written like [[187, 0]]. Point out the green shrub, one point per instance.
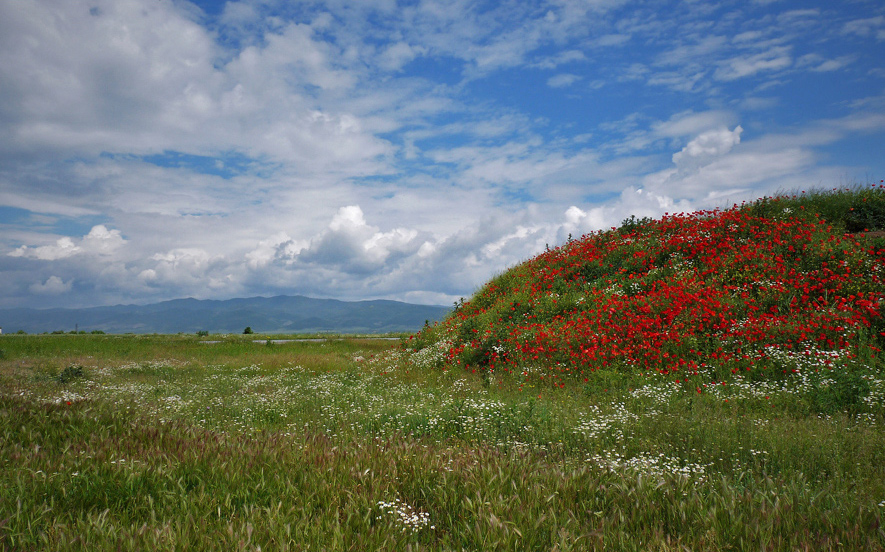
[[69, 374], [866, 213], [843, 391]]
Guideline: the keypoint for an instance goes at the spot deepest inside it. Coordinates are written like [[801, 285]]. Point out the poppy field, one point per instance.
[[709, 381], [690, 293]]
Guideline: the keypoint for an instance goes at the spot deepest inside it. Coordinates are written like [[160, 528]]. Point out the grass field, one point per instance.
[[173, 443]]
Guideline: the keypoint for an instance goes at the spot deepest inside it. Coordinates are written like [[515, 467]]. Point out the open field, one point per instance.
[[169, 443]]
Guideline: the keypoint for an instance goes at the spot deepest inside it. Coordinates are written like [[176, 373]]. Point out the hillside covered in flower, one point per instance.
[[744, 290]]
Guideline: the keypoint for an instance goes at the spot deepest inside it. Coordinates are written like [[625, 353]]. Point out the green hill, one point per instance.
[[760, 289]]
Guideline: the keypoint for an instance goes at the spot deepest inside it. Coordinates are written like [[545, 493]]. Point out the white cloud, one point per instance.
[[748, 36], [692, 52], [179, 257], [126, 79], [747, 65], [562, 80], [267, 250], [791, 16], [738, 173], [64, 247], [817, 63], [755, 103], [396, 55], [692, 123], [707, 147], [613, 39], [710, 171], [869, 26], [52, 286], [99, 241], [84, 76], [192, 269], [567, 56], [680, 81], [347, 218], [239, 15], [350, 244]]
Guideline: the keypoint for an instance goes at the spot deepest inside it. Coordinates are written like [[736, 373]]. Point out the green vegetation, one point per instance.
[[198, 442]]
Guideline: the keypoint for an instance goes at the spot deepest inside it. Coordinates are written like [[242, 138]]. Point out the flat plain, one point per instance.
[[112, 442]]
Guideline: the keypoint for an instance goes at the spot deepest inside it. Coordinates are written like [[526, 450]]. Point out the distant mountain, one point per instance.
[[281, 314]]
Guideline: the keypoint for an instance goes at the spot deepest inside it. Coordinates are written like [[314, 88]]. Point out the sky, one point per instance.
[[407, 150]]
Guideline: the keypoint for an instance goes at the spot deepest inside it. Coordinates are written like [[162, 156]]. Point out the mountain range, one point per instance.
[[281, 314]]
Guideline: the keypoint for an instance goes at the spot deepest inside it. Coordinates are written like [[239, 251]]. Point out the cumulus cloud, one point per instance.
[[268, 249], [194, 270], [352, 245], [101, 74], [52, 286], [127, 76], [63, 247], [99, 241], [707, 147]]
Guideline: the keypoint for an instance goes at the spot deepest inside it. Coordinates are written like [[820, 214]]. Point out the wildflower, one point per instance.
[[406, 517]]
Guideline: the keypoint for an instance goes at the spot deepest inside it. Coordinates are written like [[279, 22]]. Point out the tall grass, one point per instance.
[[346, 445]]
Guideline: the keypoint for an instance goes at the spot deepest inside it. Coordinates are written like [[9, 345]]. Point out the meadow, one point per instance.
[[639, 389], [167, 442]]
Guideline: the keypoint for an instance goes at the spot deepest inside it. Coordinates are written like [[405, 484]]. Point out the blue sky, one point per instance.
[[157, 149]]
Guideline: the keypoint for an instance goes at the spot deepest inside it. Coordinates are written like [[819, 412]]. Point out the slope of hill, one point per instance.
[[755, 288], [282, 314]]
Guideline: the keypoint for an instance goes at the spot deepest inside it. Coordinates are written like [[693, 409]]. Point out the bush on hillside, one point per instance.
[[71, 373]]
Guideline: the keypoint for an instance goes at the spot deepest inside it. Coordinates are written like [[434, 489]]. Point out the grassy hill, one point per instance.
[[760, 290]]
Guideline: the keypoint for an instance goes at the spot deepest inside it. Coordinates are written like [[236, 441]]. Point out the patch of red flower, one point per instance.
[[673, 294]]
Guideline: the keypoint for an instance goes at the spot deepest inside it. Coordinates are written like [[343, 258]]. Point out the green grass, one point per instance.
[[170, 443], [854, 208]]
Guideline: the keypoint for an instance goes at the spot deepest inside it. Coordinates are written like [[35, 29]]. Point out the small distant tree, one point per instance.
[[248, 330], [203, 333]]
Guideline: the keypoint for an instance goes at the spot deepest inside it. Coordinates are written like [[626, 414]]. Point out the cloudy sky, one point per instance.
[[409, 150]]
